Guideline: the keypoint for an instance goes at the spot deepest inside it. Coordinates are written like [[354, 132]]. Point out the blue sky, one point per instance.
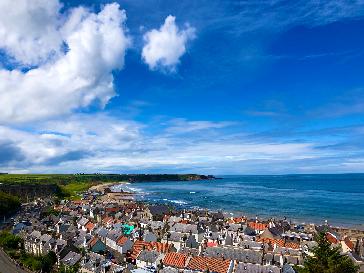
[[218, 87]]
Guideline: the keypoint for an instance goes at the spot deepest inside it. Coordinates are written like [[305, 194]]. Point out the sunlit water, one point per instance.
[[302, 198]]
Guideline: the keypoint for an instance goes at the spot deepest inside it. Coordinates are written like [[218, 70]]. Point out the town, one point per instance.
[[108, 231]]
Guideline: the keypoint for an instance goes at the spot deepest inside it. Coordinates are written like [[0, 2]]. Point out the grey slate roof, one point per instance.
[[229, 240], [256, 268], [191, 242], [234, 227], [83, 221], [156, 224], [148, 256], [45, 238], [237, 254], [184, 228], [114, 235], [288, 269], [169, 270], [102, 232], [150, 237], [175, 237], [250, 244], [71, 258]]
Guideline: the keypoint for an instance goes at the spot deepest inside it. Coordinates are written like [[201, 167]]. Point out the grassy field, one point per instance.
[[70, 185], [61, 179], [73, 190]]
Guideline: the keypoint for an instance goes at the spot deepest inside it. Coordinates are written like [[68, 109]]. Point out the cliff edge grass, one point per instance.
[[69, 186]]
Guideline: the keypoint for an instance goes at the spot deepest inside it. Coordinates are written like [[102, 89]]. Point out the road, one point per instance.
[[7, 265]]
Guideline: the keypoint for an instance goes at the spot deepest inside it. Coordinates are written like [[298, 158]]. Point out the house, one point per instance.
[[71, 259], [90, 227], [148, 258], [157, 212], [124, 244], [236, 254], [45, 243], [149, 237], [347, 245], [96, 245], [333, 238], [271, 233], [32, 243], [176, 260], [91, 263], [359, 248], [253, 268], [257, 226], [102, 234], [189, 229], [140, 245], [20, 227], [175, 238], [288, 269], [38, 243], [82, 223], [107, 221], [217, 265], [112, 238], [218, 216]]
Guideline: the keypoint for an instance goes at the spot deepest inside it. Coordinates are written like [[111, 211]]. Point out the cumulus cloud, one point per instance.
[[79, 77], [9, 153], [29, 29], [78, 137], [102, 143], [164, 47]]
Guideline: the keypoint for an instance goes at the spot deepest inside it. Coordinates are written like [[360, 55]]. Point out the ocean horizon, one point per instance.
[[302, 198]]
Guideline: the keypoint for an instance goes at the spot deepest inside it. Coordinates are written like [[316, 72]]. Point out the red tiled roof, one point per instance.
[[331, 238], [112, 209], [349, 243], [257, 226], [209, 263], [93, 241], [139, 245], [175, 259], [90, 226], [122, 240], [292, 245], [107, 219], [236, 220], [211, 244], [279, 242]]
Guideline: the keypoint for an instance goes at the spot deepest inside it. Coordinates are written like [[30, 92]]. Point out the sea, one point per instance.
[[336, 198]]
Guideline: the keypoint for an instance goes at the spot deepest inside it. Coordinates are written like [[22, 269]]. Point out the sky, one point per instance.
[[210, 87]]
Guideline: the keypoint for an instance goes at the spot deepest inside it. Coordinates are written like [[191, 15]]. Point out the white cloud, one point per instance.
[[164, 47], [183, 126], [29, 29], [101, 143], [78, 78]]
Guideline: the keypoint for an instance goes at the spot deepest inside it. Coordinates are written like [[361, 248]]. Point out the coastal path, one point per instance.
[[7, 265]]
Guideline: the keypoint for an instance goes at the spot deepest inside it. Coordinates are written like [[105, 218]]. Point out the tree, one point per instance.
[[9, 241], [48, 261], [326, 259]]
